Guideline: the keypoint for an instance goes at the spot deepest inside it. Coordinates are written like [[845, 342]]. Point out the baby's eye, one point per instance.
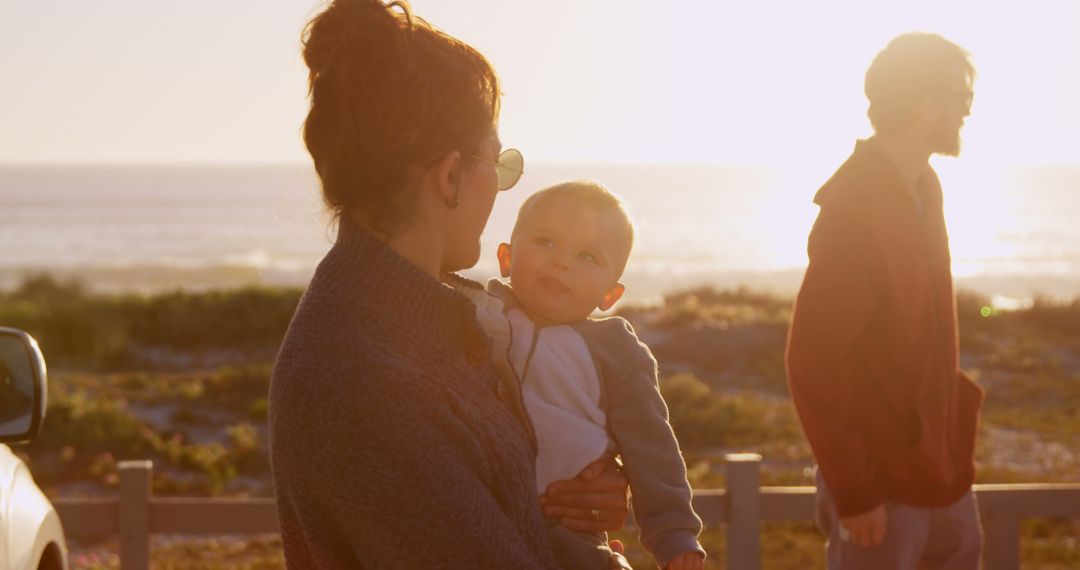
[[544, 241], [587, 256]]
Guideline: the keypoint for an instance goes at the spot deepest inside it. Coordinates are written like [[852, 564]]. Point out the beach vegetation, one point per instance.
[[182, 378]]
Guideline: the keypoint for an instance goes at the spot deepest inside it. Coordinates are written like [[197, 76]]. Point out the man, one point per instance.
[[873, 347]]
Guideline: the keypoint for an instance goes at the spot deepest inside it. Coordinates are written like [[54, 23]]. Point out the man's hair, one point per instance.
[[912, 66], [585, 192]]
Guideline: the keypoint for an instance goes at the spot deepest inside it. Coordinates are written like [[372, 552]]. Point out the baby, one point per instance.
[[589, 385]]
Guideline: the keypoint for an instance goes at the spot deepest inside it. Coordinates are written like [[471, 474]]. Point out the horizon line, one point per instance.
[[115, 163]]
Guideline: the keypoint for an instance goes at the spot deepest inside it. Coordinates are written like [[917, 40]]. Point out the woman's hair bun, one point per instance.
[[354, 26], [388, 93]]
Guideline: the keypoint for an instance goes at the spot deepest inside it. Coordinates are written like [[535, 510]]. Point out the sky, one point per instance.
[[621, 81]]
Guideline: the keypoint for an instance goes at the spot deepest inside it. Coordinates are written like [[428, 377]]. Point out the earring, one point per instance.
[[453, 203]]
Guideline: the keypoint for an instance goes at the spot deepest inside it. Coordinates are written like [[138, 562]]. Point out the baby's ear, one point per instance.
[[504, 259], [612, 296]]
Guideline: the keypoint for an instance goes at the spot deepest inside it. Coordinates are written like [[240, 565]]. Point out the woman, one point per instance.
[[390, 445]]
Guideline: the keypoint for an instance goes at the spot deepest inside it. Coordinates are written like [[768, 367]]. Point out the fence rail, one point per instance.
[[135, 514]]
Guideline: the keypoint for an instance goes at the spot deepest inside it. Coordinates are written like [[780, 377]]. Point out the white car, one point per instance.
[[30, 532]]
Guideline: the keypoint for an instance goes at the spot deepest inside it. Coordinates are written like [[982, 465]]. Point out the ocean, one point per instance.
[[1014, 233]]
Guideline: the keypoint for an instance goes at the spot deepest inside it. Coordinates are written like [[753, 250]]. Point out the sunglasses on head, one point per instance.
[[509, 166]]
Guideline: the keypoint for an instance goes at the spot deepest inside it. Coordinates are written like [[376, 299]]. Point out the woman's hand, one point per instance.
[[594, 501]]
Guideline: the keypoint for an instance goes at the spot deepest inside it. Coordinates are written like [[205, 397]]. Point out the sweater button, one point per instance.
[[477, 355]]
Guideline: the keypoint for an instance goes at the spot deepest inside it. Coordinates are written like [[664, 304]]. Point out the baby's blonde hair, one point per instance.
[[586, 192]]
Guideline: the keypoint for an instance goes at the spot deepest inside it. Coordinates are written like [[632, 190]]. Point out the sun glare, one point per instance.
[[772, 86]]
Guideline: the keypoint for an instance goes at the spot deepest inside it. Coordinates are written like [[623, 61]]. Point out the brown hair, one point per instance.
[[389, 94], [912, 66], [586, 193]]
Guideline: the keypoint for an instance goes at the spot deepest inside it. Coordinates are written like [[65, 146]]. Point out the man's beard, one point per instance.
[[946, 142]]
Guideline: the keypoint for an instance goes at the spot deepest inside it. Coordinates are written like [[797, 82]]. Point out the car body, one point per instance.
[[31, 535]]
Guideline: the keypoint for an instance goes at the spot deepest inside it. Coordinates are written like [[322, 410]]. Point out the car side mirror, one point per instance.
[[22, 386]]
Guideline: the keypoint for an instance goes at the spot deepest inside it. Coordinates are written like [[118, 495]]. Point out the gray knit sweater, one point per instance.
[[389, 447]]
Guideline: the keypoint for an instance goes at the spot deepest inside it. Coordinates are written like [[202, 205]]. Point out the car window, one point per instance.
[[16, 386]]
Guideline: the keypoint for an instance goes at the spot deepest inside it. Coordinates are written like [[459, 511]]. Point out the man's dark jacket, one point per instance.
[[872, 352]]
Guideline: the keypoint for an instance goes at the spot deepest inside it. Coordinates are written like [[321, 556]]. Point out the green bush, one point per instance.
[[248, 317], [91, 425], [718, 307], [80, 330], [704, 419]]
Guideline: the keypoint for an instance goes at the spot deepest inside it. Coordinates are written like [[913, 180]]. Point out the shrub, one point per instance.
[[704, 419]]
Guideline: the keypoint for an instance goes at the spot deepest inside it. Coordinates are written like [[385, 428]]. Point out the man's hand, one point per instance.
[[687, 561], [867, 529], [594, 501]]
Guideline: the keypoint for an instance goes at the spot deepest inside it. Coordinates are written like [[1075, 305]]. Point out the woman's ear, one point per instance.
[[612, 296], [504, 259], [447, 176]]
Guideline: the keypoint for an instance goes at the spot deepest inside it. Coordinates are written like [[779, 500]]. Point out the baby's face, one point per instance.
[[566, 259]]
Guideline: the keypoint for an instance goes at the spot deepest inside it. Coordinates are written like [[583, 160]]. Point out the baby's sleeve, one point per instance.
[[638, 421]]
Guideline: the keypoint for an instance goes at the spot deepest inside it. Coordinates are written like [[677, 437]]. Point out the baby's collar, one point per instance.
[[459, 283], [504, 292], [483, 299]]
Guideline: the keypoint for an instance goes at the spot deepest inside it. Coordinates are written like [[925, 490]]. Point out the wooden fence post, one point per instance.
[[743, 511], [134, 514], [1001, 541]]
